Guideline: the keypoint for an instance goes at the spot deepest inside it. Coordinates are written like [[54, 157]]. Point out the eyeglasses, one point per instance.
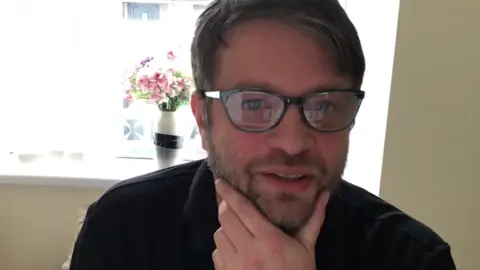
[[257, 110]]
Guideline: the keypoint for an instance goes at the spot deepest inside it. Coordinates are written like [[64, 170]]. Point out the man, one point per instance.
[[278, 88]]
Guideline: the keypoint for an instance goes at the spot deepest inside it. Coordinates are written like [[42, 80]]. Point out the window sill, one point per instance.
[[100, 174]]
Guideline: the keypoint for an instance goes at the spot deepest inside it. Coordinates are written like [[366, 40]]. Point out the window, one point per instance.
[[70, 57], [64, 61], [164, 25], [143, 11]]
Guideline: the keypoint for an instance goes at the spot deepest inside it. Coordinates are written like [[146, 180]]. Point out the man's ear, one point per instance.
[[197, 104]]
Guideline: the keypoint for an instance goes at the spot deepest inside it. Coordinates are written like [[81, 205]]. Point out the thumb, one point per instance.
[[309, 233]]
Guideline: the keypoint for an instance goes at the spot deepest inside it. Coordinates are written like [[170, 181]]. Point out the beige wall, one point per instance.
[[37, 225], [433, 133]]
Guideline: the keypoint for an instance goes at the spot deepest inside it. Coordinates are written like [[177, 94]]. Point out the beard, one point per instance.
[[223, 165]]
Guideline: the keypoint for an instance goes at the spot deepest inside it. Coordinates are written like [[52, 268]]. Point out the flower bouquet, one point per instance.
[[157, 81]]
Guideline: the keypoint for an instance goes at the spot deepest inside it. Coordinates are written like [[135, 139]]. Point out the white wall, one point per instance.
[[376, 22]]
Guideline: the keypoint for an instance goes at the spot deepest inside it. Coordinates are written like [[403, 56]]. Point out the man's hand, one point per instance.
[[246, 240]]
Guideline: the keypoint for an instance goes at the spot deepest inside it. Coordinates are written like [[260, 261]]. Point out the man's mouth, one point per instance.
[[289, 177], [285, 182]]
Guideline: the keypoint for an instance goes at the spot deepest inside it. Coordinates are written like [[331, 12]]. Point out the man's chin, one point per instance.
[[290, 225], [288, 216]]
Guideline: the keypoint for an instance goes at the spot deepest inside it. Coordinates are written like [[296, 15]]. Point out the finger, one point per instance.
[[253, 220], [309, 233], [222, 242], [217, 260], [233, 227]]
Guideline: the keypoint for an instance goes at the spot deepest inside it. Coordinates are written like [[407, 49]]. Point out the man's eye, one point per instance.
[[252, 104], [324, 106]]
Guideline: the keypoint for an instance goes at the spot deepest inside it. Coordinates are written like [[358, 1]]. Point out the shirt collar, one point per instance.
[[201, 219], [200, 211]]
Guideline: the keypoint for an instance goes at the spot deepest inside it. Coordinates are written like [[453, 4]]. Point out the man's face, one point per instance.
[[268, 54]]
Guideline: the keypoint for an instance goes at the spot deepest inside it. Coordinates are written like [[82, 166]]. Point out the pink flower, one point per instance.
[[156, 76], [181, 83], [166, 86], [143, 82], [157, 97], [171, 55]]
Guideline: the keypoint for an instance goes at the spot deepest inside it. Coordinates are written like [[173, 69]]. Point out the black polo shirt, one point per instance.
[[165, 220]]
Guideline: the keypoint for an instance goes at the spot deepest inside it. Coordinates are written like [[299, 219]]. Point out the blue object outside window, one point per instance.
[[142, 11]]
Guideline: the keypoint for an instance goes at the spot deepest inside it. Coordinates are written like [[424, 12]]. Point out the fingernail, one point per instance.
[[218, 184], [222, 207]]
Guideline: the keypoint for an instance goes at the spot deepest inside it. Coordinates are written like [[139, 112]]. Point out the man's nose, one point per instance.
[[291, 135]]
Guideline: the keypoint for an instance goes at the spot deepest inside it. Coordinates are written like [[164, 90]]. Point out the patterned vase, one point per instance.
[[172, 131]]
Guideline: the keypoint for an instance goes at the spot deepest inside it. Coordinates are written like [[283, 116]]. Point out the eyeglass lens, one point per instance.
[[325, 111]]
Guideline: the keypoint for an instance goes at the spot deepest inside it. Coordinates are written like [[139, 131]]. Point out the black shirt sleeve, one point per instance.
[[98, 245], [398, 242], [440, 259]]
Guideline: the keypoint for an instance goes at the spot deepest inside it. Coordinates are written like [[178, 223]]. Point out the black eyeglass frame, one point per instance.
[[287, 101]]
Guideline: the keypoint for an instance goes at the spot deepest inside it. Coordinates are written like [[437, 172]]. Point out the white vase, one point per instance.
[[171, 132]]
